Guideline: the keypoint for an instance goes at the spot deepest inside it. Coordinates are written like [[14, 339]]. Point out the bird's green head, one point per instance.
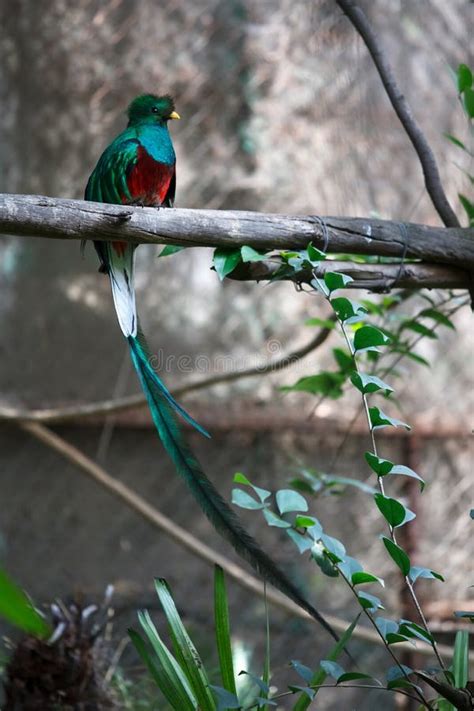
[[151, 109]]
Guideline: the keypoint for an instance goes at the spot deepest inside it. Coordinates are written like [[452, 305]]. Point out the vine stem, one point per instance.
[[387, 646], [381, 486], [419, 694]]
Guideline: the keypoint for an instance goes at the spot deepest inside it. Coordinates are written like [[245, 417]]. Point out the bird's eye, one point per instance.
[[154, 109]]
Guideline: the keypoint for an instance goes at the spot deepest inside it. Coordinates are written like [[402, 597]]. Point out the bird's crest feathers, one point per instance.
[[151, 108]]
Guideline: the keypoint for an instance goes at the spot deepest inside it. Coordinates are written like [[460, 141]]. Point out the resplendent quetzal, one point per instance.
[[139, 168]]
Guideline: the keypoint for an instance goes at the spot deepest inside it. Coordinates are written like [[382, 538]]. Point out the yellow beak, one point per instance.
[[174, 115]]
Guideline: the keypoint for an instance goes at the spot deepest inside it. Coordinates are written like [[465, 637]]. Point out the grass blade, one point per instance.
[[461, 659], [320, 675], [222, 625], [185, 650], [162, 668]]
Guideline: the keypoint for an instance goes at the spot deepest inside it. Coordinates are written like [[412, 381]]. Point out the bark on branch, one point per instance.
[[374, 277], [39, 216]]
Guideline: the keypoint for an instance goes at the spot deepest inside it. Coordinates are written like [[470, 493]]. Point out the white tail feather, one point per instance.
[[120, 266]]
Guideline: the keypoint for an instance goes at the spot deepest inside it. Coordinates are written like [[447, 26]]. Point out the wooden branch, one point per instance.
[[189, 541], [374, 277], [403, 111], [38, 216]]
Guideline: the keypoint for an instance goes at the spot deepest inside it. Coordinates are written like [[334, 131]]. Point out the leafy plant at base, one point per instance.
[[306, 532]]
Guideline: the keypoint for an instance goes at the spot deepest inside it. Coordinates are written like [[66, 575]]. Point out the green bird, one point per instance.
[[139, 168]]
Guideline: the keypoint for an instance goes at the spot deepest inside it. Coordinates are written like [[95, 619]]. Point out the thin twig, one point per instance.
[[403, 111], [188, 540], [105, 407], [350, 686]]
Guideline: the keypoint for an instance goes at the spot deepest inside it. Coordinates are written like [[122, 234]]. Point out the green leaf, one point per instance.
[[439, 317], [404, 684], [331, 482], [381, 467], [320, 286], [332, 668], [165, 670], [225, 261], [395, 638], [321, 558], [314, 254], [395, 673], [320, 675], [348, 309], [469, 102], [303, 543], [334, 547], [326, 383], [289, 500], [468, 207], [245, 501], [249, 254], [222, 627], [350, 566], [344, 360], [455, 140], [336, 280], [369, 338], [392, 510], [386, 626], [417, 571], [464, 77], [185, 650], [322, 322], [369, 383], [369, 602], [465, 614], [417, 327], [240, 478], [412, 355], [305, 672], [411, 629], [170, 249], [398, 555], [402, 470], [273, 520], [17, 609], [307, 522], [263, 494], [352, 676], [378, 418], [361, 577], [262, 685], [225, 699]]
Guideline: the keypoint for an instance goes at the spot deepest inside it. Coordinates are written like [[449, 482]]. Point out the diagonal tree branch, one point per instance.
[[403, 111], [105, 407]]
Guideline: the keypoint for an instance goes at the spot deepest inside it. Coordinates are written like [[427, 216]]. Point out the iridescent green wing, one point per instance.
[[108, 182]]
